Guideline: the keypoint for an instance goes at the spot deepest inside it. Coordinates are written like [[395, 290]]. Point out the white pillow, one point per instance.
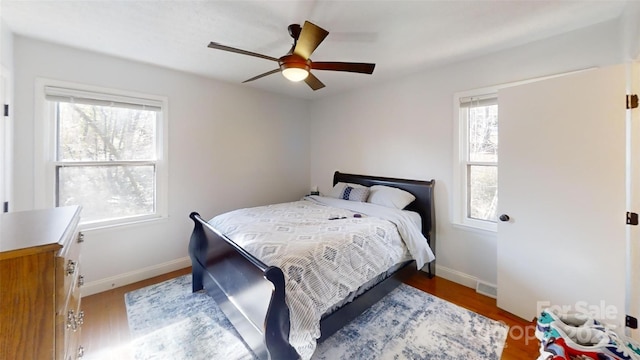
[[338, 189], [390, 197], [355, 194]]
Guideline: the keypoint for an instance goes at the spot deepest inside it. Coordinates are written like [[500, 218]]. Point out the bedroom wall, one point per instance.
[[223, 154], [630, 25], [6, 47], [404, 128]]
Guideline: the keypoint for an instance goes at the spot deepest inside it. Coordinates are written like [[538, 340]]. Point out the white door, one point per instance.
[[562, 183], [4, 164], [633, 200], [6, 140]]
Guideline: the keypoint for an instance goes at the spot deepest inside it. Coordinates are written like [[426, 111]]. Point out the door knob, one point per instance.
[[504, 217]]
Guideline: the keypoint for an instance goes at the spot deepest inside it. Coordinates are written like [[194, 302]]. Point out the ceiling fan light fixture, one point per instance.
[[295, 72], [296, 65]]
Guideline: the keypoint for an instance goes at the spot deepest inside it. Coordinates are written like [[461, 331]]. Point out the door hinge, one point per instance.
[[631, 322], [632, 101], [632, 218], [5, 207], [6, 109]]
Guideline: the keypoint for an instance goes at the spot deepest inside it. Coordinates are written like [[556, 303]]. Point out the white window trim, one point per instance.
[[44, 150], [460, 169]]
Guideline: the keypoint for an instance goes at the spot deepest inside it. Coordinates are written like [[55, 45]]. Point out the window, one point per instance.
[[106, 152], [477, 160]]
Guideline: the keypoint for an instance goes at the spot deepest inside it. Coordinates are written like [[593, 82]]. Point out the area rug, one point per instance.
[[168, 321]]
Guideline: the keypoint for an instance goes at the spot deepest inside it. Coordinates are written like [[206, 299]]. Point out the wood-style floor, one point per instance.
[[105, 333]]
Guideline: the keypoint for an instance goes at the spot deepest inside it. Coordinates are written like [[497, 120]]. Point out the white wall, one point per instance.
[[630, 29], [404, 128], [229, 147], [6, 47]]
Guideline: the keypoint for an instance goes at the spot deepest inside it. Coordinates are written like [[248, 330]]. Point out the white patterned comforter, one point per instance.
[[323, 260]]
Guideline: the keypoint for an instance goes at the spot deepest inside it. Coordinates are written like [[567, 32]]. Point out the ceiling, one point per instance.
[[401, 37]]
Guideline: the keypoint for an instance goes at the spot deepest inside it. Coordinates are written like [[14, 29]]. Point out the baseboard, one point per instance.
[[480, 286], [456, 276], [131, 277]]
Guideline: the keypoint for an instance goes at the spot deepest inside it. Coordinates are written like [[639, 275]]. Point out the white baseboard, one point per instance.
[[456, 276], [480, 286], [109, 283]]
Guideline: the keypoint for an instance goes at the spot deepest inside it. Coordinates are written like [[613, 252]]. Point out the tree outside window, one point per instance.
[[107, 154], [477, 172], [105, 160]]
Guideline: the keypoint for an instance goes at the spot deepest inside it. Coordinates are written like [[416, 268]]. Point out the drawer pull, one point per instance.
[[74, 321], [71, 267], [80, 280], [80, 351], [80, 237]]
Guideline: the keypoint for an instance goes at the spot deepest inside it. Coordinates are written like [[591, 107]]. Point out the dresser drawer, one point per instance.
[[68, 276], [69, 323], [69, 317]]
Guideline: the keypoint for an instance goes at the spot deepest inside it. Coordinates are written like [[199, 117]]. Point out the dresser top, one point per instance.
[[35, 231]]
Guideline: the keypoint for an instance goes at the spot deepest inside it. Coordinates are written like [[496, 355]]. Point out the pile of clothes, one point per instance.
[[576, 336]]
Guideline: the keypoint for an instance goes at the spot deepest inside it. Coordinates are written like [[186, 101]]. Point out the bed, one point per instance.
[[252, 294]]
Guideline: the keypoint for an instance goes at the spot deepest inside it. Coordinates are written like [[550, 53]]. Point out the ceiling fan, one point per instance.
[[296, 64]]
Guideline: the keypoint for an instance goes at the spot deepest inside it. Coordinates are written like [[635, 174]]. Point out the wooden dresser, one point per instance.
[[40, 316]]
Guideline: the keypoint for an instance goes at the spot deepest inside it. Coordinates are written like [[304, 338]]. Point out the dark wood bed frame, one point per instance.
[[252, 294]]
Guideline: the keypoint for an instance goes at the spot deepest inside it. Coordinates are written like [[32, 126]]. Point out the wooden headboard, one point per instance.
[[421, 189]]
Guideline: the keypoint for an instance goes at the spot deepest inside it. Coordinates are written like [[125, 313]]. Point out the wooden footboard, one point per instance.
[[250, 293]]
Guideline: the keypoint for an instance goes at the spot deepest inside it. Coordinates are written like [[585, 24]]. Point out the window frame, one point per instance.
[[46, 163], [461, 162]]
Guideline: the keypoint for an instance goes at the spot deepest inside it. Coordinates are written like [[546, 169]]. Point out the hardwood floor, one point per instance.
[[105, 333]]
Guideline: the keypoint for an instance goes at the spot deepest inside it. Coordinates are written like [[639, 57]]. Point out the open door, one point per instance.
[[4, 142], [562, 184], [633, 199]]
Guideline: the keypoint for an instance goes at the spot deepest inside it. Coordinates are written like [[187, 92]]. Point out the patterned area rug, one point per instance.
[[167, 321]]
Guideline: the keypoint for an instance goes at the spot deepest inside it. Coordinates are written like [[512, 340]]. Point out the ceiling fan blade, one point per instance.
[[262, 75], [214, 45], [364, 68], [310, 37], [313, 82]]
